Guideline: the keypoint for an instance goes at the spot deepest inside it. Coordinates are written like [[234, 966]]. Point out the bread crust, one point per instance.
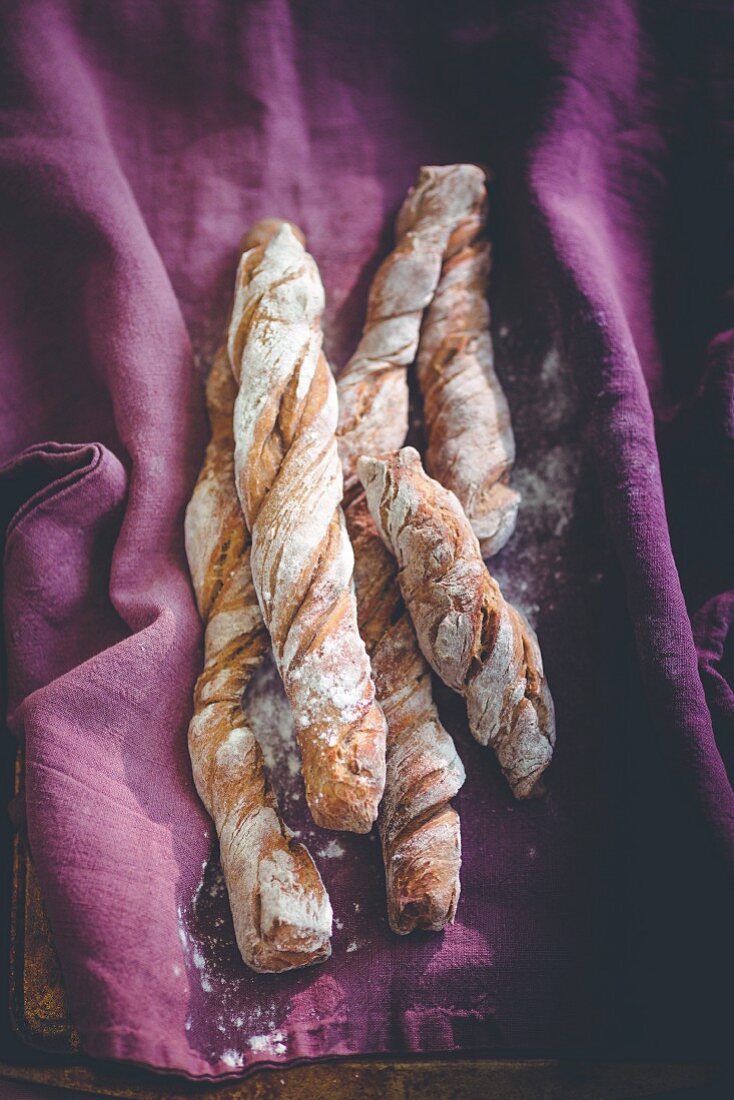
[[289, 483], [471, 446], [477, 642], [280, 908], [373, 392], [419, 829]]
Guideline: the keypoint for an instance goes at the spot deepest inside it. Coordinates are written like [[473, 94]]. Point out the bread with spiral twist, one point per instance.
[[471, 446], [289, 482], [373, 394], [419, 829], [280, 908], [477, 642]]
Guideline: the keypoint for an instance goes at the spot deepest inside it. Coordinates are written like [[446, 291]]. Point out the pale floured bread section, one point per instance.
[[419, 828], [471, 446], [281, 911], [479, 644], [373, 395], [289, 482]]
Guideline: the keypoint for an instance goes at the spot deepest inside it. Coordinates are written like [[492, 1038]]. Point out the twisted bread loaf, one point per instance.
[[479, 644], [281, 912], [289, 483], [373, 395], [419, 829], [471, 447]]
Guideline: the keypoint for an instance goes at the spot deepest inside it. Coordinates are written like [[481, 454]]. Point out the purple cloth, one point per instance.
[[137, 141]]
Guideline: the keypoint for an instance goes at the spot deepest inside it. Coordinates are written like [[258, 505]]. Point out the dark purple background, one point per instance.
[[137, 142]]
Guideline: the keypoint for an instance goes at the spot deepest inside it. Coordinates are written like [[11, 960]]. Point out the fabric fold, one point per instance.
[[137, 143]]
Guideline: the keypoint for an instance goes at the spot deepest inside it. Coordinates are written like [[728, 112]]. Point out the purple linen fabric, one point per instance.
[[137, 141]]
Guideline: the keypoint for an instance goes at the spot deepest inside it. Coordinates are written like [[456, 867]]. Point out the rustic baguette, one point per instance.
[[373, 392], [419, 829], [281, 911], [471, 447], [289, 482], [477, 642]]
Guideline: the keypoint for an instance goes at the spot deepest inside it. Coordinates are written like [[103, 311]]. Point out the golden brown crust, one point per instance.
[[281, 912], [261, 231], [471, 447], [479, 644], [289, 482], [419, 829], [373, 392]]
